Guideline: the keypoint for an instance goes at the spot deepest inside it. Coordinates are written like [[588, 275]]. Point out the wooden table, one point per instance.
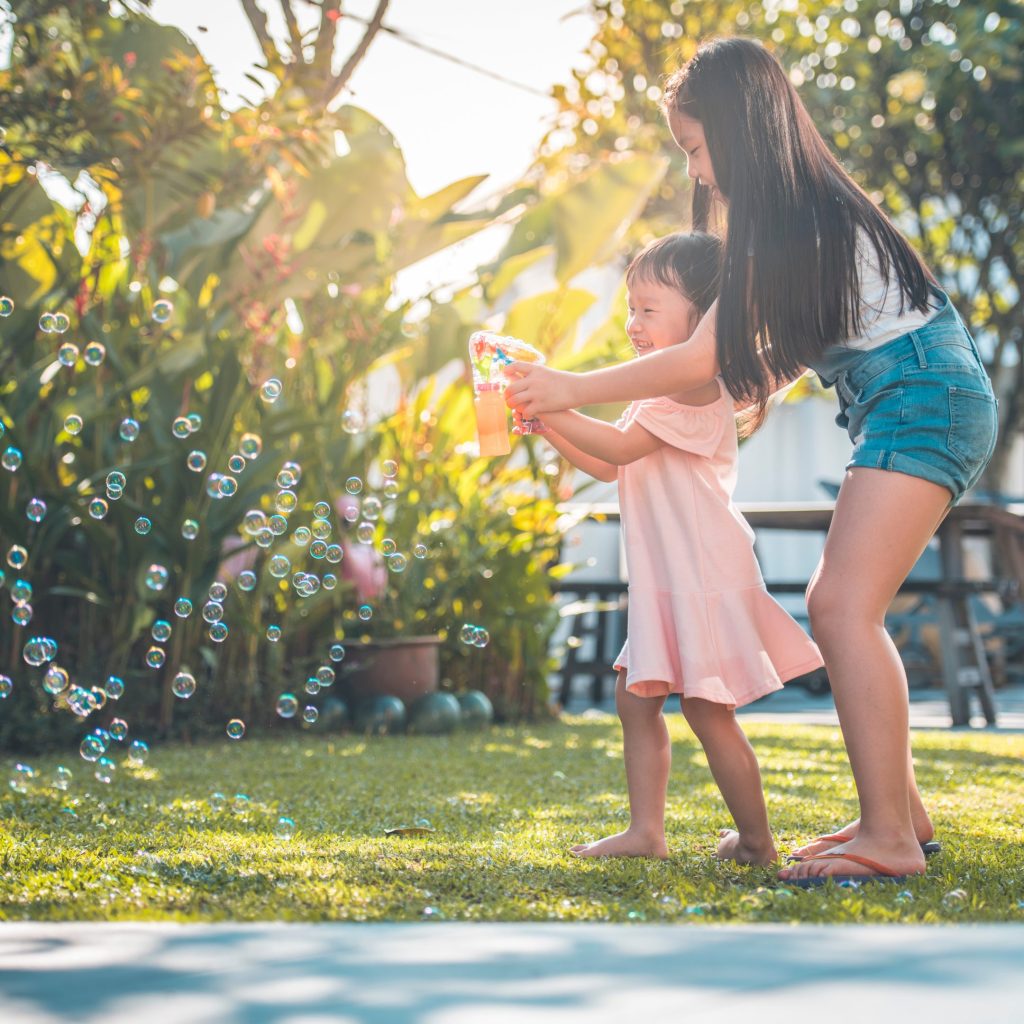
[[964, 665]]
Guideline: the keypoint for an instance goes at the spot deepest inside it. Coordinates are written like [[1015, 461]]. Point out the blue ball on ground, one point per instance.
[[477, 710], [380, 716], [434, 715], [334, 714]]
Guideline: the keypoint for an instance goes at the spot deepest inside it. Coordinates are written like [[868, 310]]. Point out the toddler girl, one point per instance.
[[700, 622]]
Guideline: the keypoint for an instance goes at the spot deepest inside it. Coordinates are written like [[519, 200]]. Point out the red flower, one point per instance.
[[333, 15], [130, 58]]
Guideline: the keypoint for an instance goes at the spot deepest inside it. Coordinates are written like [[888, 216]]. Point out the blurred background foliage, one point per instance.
[[277, 229]]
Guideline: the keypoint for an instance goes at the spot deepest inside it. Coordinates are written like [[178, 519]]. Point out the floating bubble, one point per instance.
[[184, 685], [352, 421], [318, 548], [157, 577], [273, 634], [481, 638], [419, 551], [302, 536], [236, 464], [388, 546], [92, 747], [115, 493], [48, 323], [6, 687], [190, 529], [56, 680], [228, 486], [162, 310], [213, 485], [364, 533], [365, 612], [11, 458], [372, 508], [218, 592], [98, 508], [321, 510], [390, 490], [397, 562], [287, 705], [183, 607], [67, 353], [218, 801], [246, 580], [240, 803], [161, 631], [310, 714], [254, 521], [904, 896], [181, 428], [97, 698], [22, 778], [155, 657], [62, 778], [285, 829], [389, 467], [61, 323], [196, 420], [196, 461], [6, 302], [115, 478], [118, 729], [955, 900], [213, 611], [286, 501], [73, 424], [22, 615], [336, 652], [467, 633], [250, 445], [236, 729], [21, 591], [105, 769], [138, 752], [279, 566], [330, 581], [286, 478], [35, 510], [114, 688], [354, 485], [129, 429], [271, 390], [321, 528], [80, 701], [218, 632], [143, 525], [334, 553], [94, 353]]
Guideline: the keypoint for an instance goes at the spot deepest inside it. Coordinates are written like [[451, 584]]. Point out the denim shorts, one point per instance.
[[921, 404]]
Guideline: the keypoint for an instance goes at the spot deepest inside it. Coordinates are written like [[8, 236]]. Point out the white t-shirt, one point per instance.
[[881, 319]]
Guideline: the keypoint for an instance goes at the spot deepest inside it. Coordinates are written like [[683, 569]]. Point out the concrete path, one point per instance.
[[446, 973]]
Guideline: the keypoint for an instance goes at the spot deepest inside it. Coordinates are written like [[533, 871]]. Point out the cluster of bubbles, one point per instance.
[[474, 636]]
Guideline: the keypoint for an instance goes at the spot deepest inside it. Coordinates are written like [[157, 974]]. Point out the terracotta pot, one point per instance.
[[405, 667]]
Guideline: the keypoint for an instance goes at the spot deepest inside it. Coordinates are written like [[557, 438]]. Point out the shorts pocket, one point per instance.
[[973, 421]]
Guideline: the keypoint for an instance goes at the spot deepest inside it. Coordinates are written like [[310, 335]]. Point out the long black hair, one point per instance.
[[790, 287], [689, 263]]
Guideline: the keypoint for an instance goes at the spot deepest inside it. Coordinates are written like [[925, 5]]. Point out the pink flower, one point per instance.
[[364, 567]]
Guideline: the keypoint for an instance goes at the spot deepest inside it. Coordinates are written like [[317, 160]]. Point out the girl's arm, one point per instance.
[[597, 468], [604, 441], [537, 390]]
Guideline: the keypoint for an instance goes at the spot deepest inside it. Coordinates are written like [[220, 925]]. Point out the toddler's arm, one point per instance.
[[597, 468], [604, 441]]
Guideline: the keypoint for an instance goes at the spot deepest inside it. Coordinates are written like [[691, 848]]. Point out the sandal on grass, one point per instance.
[[880, 873]]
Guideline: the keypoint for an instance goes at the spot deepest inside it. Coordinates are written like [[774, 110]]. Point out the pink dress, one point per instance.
[[700, 621]]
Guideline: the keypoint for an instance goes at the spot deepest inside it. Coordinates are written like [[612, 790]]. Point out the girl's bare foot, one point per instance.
[[624, 844], [923, 829], [733, 846]]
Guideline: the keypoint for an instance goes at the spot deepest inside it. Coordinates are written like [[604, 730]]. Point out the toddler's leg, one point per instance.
[[734, 767], [648, 756]]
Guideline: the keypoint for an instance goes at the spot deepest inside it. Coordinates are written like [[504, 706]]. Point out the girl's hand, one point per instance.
[[534, 389]]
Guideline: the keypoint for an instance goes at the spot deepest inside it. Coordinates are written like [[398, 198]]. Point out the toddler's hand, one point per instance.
[[534, 389]]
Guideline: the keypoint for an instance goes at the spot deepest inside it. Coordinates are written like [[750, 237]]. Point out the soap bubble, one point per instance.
[[273, 634], [190, 529], [352, 421], [22, 778], [250, 445], [321, 510], [285, 829], [21, 591], [196, 420], [114, 688], [481, 638], [157, 577], [389, 468], [388, 546], [240, 803], [271, 390], [955, 900], [118, 729], [67, 353], [213, 485], [365, 612], [236, 729], [6, 687], [22, 615], [115, 478], [397, 562], [325, 675], [98, 508], [183, 607], [138, 752], [364, 533], [56, 680], [35, 510], [246, 580], [105, 769], [286, 501], [184, 685], [115, 493], [61, 778], [354, 485], [213, 611], [129, 429], [143, 525], [334, 553], [336, 652], [196, 461], [162, 310], [372, 509], [287, 705], [218, 632], [310, 714], [279, 566], [302, 536], [11, 459], [155, 657], [419, 551], [236, 464], [181, 428], [390, 490], [330, 581], [318, 548], [94, 353], [467, 633], [161, 631], [73, 424], [218, 801], [61, 323], [286, 478], [48, 323], [92, 747], [227, 486], [6, 303]]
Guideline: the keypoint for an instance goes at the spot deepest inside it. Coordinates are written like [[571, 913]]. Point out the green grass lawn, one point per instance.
[[505, 806]]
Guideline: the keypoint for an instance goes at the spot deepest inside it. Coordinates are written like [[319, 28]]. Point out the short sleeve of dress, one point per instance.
[[691, 428]]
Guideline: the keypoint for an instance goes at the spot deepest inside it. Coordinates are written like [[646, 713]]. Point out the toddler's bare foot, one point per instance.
[[923, 829], [624, 844], [733, 846]]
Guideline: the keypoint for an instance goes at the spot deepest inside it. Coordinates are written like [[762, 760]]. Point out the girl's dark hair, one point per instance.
[[790, 286], [689, 263]]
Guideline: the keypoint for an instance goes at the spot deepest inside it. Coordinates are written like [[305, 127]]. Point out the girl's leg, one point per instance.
[[648, 757], [882, 523], [734, 767]]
